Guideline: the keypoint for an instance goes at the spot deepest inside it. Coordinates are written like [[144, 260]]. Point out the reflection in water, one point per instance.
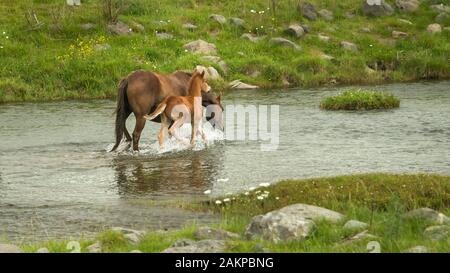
[[187, 172]]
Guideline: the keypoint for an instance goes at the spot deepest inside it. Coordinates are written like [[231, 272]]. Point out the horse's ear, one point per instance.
[[203, 74], [218, 98]]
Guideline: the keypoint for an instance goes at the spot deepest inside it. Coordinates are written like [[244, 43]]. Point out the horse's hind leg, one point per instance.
[[127, 135], [202, 133], [174, 130], [140, 123], [164, 126], [125, 131]]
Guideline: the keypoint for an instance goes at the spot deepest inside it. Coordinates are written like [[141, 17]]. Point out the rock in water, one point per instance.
[[201, 47], [204, 246], [7, 248], [294, 222], [376, 8]]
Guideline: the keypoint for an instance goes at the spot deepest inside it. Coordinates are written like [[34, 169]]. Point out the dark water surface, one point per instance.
[[57, 180]]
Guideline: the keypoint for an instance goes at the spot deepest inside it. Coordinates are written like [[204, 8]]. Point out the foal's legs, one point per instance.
[[174, 129], [202, 133], [164, 126], [140, 123], [194, 132]]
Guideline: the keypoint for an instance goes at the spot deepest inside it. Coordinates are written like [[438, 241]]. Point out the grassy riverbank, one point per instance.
[[58, 56], [380, 200]]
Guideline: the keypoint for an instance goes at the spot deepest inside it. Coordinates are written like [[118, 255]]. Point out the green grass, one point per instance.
[[377, 199], [360, 100], [48, 63]]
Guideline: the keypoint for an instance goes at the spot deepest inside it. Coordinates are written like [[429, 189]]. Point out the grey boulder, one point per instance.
[[294, 222], [376, 8]]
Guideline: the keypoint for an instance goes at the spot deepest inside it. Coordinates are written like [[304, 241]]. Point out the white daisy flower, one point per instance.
[[207, 192]]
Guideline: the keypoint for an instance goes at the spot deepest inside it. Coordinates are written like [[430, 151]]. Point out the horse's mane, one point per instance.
[[191, 81]]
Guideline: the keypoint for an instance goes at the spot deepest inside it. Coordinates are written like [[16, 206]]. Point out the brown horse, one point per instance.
[[141, 91], [177, 110]]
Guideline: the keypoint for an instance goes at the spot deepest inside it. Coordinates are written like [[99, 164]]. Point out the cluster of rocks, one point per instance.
[[297, 222], [209, 52], [290, 223]]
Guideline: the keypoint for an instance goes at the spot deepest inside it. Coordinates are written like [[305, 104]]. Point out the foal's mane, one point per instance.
[[195, 87]]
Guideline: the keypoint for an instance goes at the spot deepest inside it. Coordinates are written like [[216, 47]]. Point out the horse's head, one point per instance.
[[199, 79], [214, 109]]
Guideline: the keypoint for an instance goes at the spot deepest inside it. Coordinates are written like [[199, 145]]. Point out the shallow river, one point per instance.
[[58, 180]]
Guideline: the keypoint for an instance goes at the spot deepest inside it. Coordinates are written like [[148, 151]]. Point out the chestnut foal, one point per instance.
[[177, 110]]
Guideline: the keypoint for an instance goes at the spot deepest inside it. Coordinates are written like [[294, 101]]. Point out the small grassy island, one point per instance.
[[358, 99]]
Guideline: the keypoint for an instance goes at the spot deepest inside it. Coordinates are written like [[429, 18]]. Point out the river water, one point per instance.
[[57, 179]]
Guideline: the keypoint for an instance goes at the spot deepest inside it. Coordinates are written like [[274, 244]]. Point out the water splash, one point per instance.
[[173, 145]]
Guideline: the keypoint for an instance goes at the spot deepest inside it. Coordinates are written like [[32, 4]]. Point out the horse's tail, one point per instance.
[[121, 111], [161, 107]]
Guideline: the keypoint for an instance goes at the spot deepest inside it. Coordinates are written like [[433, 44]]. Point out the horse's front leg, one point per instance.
[[174, 130], [194, 125]]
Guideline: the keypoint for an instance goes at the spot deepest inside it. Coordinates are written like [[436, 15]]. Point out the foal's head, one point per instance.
[[198, 83]]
